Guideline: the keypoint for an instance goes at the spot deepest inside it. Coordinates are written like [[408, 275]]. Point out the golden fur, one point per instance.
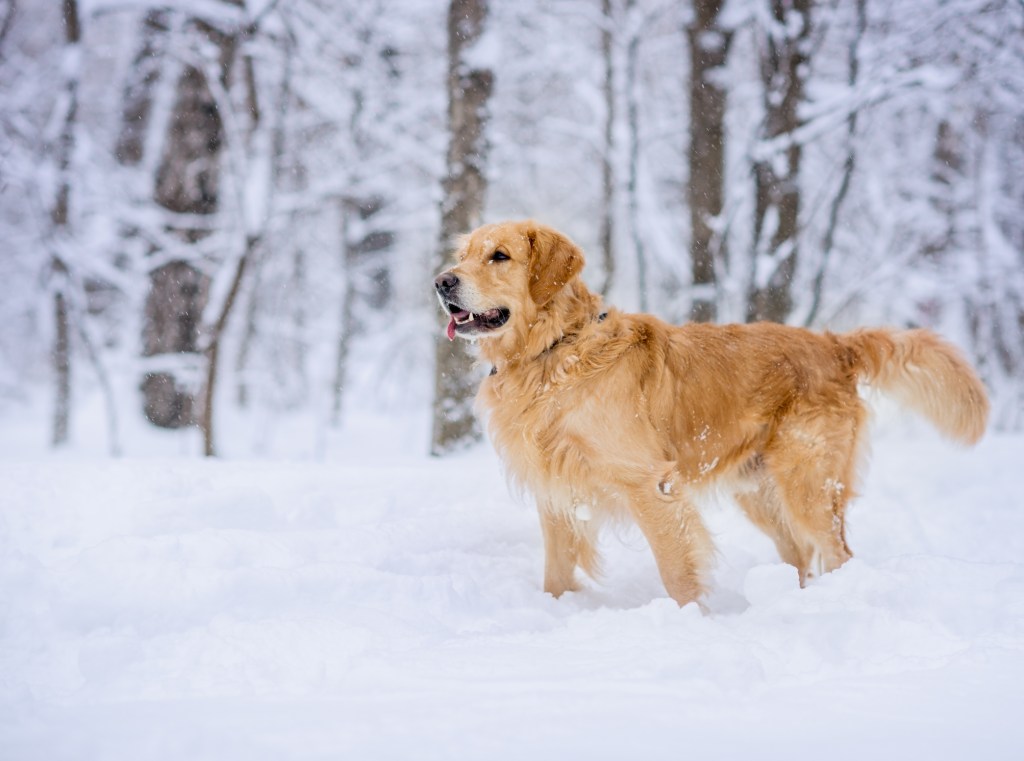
[[623, 414]]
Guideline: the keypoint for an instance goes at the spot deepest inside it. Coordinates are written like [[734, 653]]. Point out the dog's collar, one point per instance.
[[600, 318]]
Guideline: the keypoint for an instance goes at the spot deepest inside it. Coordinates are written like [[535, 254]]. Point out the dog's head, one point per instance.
[[505, 273]]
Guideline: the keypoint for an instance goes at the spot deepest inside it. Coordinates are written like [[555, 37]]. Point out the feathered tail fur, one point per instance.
[[925, 373]]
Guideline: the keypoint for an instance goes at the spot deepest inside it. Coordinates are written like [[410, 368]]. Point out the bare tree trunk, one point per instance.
[[66, 144], [345, 318], [462, 209], [253, 240], [59, 216], [709, 48], [607, 233], [633, 128], [62, 370], [849, 164], [216, 334], [298, 355], [174, 306], [187, 183], [784, 58]]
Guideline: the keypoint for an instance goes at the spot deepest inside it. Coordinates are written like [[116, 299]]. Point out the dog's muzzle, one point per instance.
[[461, 320]]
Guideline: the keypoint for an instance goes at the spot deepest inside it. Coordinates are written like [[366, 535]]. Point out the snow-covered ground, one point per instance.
[[379, 604]]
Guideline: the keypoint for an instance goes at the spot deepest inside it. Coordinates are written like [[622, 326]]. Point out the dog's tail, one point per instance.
[[925, 373]]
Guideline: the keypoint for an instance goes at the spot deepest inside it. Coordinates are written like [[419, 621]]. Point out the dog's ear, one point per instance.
[[554, 261]]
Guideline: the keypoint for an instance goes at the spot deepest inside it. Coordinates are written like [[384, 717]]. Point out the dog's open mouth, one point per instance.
[[463, 321]]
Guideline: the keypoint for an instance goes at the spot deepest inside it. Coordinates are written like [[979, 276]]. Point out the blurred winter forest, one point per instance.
[[222, 210]]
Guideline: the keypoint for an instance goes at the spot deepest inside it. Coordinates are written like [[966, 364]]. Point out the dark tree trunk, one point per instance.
[[60, 217], [174, 309], [187, 183], [345, 318], [247, 260], [66, 141], [462, 208], [206, 419], [607, 233], [346, 322], [709, 47], [62, 370], [784, 58], [633, 139]]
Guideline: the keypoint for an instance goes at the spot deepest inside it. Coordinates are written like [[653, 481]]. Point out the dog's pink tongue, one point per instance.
[[451, 329]]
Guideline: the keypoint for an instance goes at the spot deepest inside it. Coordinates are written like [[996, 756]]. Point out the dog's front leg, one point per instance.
[[561, 550]]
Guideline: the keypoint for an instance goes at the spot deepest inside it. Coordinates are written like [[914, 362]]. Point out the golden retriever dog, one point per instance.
[[599, 413]]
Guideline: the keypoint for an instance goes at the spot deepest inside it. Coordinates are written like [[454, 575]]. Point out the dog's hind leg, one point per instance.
[[766, 511], [813, 462]]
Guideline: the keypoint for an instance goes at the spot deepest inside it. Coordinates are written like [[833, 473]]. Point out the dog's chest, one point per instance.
[[528, 408], [550, 431]]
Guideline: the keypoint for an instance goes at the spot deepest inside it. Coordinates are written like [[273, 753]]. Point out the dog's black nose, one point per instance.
[[445, 283]]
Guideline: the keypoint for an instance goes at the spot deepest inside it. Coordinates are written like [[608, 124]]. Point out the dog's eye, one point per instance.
[[500, 256]]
